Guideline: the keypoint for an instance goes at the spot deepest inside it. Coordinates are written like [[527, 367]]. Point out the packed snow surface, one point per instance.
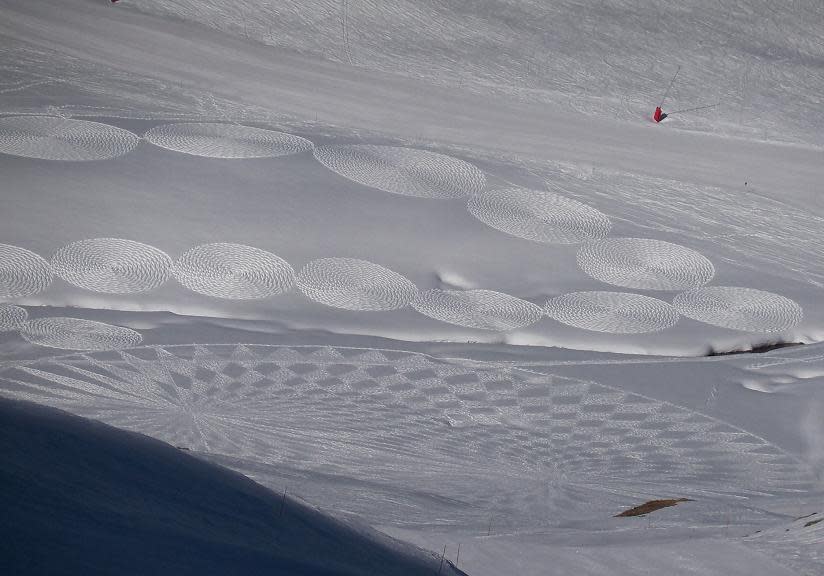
[[432, 264]]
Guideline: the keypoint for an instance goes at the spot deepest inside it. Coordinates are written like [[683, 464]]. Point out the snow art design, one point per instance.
[[54, 138], [404, 171], [22, 272], [11, 317], [483, 309], [539, 216], [645, 264], [362, 411], [216, 140], [112, 265], [737, 308], [78, 334], [354, 284], [233, 271], [612, 312]]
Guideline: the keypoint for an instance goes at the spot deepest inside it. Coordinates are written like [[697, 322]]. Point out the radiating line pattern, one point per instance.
[[359, 411], [233, 271], [78, 334], [539, 215], [645, 264], [738, 308], [354, 284], [112, 265], [483, 309], [612, 312], [217, 140], [54, 138], [22, 272], [404, 171], [11, 317]]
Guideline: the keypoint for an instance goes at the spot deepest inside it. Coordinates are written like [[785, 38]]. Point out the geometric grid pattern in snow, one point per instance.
[[233, 271], [52, 138], [11, 317], [612, 312], [483, 309], [22, 272], [354, 284], [405, 171], [355, 410], [112, 265], [78, 334], [215, 140], [539, 216], [645, 264], [739, 308]]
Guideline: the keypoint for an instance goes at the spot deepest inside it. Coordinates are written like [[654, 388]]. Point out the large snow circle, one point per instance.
[[483, 309], [78, 334], [216, 140], [539, 215], [112, 265], [366, 411], [11, 317], [54, 138], [354, 284], [233, 271], [612, 312], [645, 264], [404, 171], [745, 309], [22, 272]]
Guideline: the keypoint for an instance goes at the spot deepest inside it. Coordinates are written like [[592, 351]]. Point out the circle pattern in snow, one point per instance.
[[354, 284], [11, 317], [645, 264], [78, 334], [366, 413], [539, 216], [53, 138], [613, 312], [484, 309], [405, 171], [738, 308], [22, 272], [233, 271], [216, 140], [112, 265]]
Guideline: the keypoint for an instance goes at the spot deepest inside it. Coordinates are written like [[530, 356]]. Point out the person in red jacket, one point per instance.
[[659, 114]]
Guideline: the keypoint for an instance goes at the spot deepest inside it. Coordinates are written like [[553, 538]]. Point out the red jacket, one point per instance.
[[657, 115]]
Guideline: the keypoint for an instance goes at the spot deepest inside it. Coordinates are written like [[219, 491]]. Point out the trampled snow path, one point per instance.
[[22, 272], [78, 334], [613, 312], [379, 415]]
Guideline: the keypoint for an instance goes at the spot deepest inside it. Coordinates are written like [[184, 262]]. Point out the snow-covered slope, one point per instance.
[[431, 263], [83, 498]]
